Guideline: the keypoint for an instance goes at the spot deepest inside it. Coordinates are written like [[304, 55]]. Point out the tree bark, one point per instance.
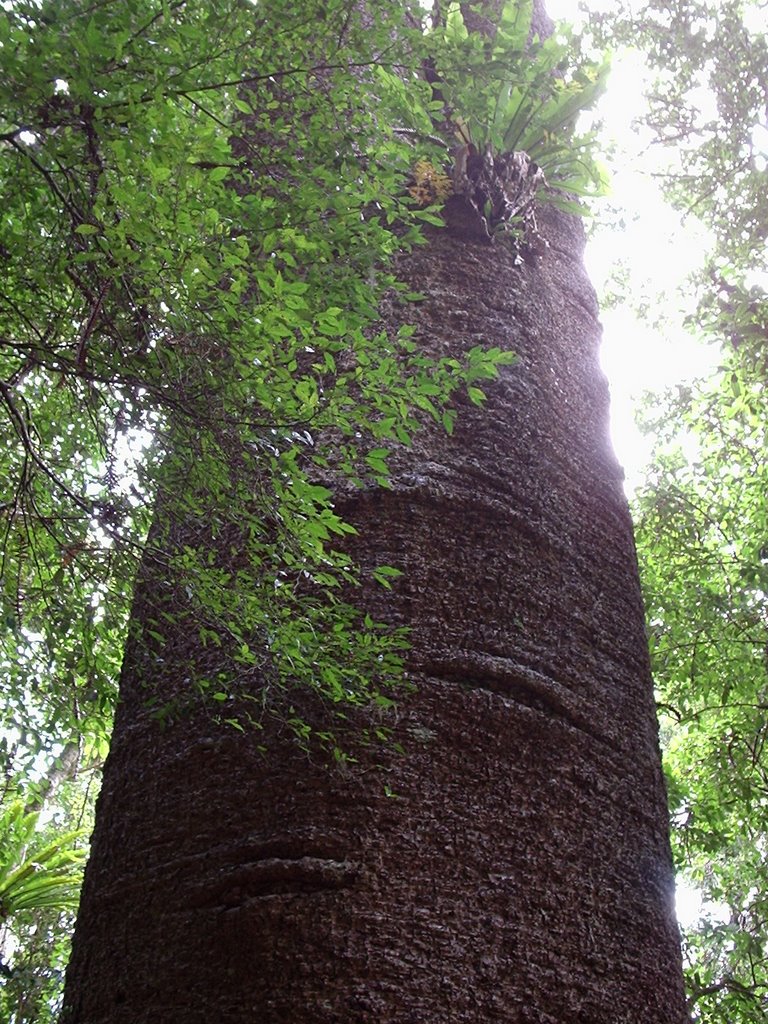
[[512, 863]]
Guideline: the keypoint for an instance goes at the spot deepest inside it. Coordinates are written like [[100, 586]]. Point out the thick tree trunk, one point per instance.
[[513, 863]]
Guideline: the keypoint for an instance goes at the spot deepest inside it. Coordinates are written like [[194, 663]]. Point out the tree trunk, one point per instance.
[[512, 863]]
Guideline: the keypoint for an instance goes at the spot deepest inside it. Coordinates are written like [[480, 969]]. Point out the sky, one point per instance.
[[654, 251]]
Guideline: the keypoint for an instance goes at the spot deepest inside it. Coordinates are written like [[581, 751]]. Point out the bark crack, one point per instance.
[[239, 884], [524, 686]]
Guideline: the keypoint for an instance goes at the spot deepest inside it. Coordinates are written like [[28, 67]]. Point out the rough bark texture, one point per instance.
[[520, 872]]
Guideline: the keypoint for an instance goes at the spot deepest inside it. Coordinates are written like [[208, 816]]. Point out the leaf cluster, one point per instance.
[[42, 852], [36, 874], [516, 93], [702, 523], [195, 253]]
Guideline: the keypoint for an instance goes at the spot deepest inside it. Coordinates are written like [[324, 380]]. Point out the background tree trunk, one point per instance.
[[513, 863]]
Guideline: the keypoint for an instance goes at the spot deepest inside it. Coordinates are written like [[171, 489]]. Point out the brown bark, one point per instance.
[[513, 864]]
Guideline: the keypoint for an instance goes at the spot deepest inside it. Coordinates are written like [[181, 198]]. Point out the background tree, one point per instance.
[[702, 513]]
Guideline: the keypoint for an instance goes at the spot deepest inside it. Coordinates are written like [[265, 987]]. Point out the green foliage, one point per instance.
[[40, 877], [515, 93], [702, 523], [194, 257], [41, 858], [36, 874], [31, 991]]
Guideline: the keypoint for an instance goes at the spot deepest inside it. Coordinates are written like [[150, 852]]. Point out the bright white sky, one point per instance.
[[656, 252]]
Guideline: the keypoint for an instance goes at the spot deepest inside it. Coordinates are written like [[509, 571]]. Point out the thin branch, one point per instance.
[[726, 985], [254, 79], [23, 432], [25, 152]]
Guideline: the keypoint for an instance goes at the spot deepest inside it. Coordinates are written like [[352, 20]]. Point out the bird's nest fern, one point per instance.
[[511, 101]]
